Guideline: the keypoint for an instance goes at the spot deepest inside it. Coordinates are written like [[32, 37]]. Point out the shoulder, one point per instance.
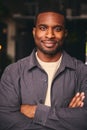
[[18, 65], [15, 70], [75, 64], [18, 68]]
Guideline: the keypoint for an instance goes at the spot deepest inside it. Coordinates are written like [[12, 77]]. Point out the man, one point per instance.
[[48, 89]]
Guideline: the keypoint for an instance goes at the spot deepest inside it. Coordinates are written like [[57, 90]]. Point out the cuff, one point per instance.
[[41, 114]]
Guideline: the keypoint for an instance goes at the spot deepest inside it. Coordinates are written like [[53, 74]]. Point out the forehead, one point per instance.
[[50, 18]]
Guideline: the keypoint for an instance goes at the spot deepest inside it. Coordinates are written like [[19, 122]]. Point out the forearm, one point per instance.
[[46, 116], [61, 118], [13, 120], [16, 121]]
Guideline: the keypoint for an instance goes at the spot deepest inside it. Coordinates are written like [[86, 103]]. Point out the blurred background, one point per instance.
[[16, 23]]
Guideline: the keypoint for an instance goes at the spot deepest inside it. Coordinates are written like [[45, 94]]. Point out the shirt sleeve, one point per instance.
[[64, 117], [10, 116]]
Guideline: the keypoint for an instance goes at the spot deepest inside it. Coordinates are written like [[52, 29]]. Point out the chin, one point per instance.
[[52, 52]]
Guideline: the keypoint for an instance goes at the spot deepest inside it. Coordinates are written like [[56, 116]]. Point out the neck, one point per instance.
[[49, 58]]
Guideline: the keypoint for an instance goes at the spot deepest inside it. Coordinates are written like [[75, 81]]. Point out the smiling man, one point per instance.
[[49, 33], [48, 89]]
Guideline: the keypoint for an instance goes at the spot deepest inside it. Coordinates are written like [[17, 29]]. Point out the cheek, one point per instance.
[[39, 35], [37, 38]]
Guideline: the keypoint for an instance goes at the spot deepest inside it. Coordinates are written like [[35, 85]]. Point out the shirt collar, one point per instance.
[[67, 61], [32, 60]]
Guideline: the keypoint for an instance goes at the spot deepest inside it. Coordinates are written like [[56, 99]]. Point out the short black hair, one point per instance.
[[49, 6]]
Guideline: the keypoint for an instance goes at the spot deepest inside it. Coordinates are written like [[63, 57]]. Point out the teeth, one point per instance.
[[49, 44]]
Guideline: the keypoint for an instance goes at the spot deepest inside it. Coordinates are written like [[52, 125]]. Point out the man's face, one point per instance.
[[49, 32]]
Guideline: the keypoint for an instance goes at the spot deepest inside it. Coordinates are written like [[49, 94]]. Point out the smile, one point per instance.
[[49, 43]]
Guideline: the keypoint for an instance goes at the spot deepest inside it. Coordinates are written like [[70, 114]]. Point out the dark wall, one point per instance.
[[24, 40], [4, 59], [75, 43]]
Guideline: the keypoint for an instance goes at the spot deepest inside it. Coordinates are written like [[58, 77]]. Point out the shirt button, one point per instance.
[[45, 80], [41, 101]]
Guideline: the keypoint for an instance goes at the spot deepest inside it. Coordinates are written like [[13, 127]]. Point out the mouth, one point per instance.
[[49, 43]]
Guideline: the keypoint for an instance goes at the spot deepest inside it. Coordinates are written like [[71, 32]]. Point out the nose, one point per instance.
[[50, 33]]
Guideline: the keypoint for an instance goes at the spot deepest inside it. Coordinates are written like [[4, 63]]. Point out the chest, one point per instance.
[[34, 87]]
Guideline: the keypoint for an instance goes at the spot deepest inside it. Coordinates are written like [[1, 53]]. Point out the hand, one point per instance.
[[78, 100], [28, 110]]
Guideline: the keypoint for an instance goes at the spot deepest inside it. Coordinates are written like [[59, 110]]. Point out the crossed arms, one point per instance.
[[27, 117], [77, 101]]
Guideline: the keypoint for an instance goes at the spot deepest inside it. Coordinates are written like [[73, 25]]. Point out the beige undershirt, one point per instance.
[[50, 68]]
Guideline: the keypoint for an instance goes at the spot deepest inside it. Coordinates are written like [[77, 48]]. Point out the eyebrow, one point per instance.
[[41, 25]]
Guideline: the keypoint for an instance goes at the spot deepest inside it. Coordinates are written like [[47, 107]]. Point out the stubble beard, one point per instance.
[[51, 52]]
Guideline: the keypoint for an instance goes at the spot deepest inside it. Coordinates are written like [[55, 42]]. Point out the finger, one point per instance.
[[82, 104], [79, 104], [78, 100], [74, 100], [82, 96]]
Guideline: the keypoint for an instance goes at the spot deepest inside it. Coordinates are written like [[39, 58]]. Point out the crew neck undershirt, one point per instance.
[[50, 68]]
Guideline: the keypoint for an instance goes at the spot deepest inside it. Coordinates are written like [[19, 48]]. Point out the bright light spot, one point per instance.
[[0, 47]]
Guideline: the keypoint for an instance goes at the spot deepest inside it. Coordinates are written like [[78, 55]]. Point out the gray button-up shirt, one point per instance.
[[25, 82]]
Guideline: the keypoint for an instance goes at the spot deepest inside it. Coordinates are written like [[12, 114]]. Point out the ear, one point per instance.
[[33, 31]]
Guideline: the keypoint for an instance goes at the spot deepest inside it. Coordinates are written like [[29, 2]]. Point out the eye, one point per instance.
[[58, 28], [42, 28]]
